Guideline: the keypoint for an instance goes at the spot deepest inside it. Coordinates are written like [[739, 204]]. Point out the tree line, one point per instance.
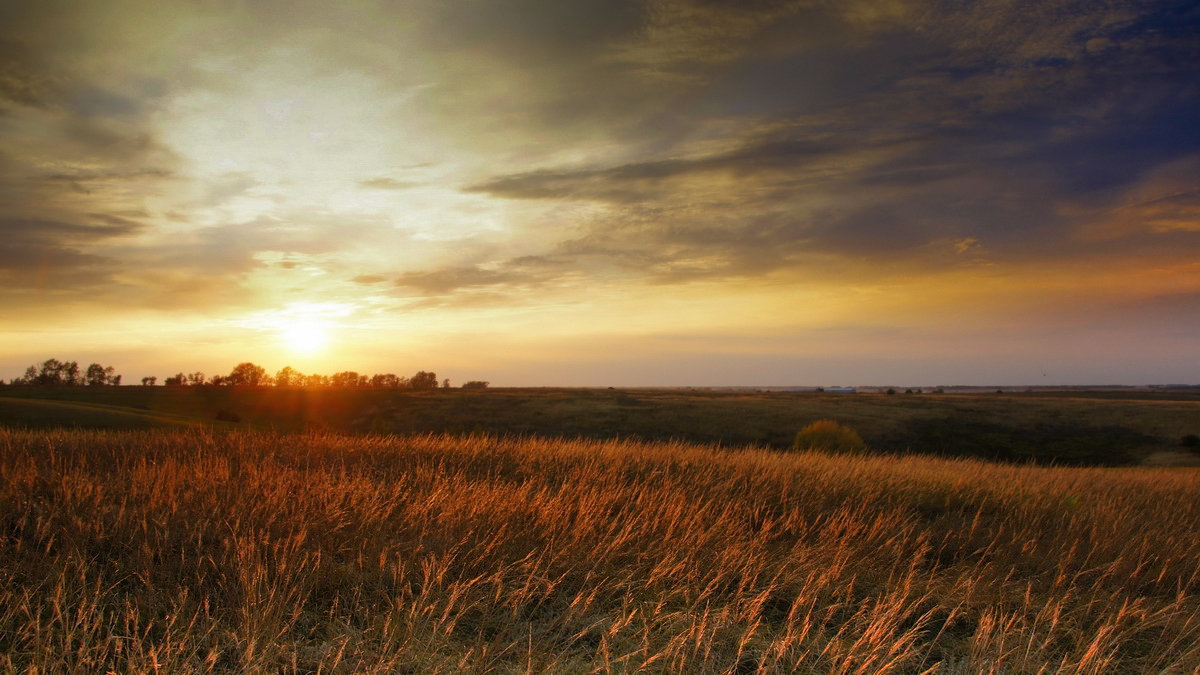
[[67, 373], [53, 372]]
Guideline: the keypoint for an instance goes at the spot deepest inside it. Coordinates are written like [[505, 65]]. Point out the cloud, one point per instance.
[[20, 82], [890, 136], [510, 276], [387, 184], [42, 259], [637, 181], [199, 157]]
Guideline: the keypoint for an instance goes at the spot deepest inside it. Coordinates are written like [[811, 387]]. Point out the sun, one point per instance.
[[304, 335]]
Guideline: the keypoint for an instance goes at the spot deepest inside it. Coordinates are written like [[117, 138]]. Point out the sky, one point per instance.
[[600, 193]]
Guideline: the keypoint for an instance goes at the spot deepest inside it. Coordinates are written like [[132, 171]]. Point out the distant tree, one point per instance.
[[247, 374], [95, 375], [423, 380], [31, 376], [289, 377], [346, 378], [219, 380], [891, 391], [316, 380], [446, 383], [475, 384], [51, 372], [149, 381], [71, 374], [386, 381], [196, 378], [176, 380], [115, 381]]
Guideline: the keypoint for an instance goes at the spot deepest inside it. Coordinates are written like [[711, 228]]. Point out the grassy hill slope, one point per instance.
[[50, 414]]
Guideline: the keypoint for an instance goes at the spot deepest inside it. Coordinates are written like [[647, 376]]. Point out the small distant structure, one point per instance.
[[841, 390]]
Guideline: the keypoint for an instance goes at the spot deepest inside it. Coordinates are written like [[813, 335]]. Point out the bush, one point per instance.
[[830, 436], [228, 416]]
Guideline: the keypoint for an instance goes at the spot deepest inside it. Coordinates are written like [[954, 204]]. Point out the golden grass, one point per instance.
[[194, 551]]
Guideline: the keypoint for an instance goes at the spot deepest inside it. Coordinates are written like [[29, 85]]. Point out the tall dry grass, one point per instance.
[[200, 552]]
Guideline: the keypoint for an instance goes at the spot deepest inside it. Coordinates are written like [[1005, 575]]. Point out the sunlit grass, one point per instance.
[[202, 551]]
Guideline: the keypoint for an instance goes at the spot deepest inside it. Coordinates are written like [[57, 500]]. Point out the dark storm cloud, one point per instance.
[[21, 83], [637, 181], [88, 180], [738, 138], [38, 255], [894, 137]]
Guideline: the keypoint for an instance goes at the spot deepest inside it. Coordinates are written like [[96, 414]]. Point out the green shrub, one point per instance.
[[830, 436]]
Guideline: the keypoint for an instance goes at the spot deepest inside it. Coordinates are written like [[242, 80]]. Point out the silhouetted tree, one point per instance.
[[97, 375], [31, 375], [149, 381], [386, 381], [475, 384], [316, 380], [55, 372], [176, 380], [51, 372], [289, 377], [196, 378], [423, 380], [71, 374], [446, 383], [247, 374], [346, 378]]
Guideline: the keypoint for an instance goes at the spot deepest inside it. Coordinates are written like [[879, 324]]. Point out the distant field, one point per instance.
[[204, 551], [37, 413], [1105, 428]]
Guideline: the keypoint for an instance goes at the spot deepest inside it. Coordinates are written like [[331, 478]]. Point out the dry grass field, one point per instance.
[[206, 551]]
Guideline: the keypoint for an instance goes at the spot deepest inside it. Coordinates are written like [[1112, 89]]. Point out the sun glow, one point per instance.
[[304, 335], [302, 328]]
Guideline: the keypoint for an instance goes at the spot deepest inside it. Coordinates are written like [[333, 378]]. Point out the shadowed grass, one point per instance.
[[1107, 428], [201, 551]]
